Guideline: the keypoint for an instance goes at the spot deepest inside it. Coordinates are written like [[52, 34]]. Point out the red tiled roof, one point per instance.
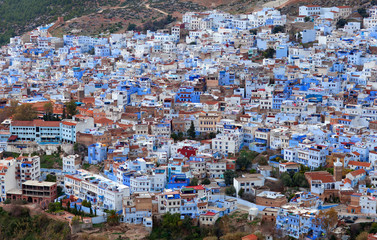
[[323, 176], [357, 172], [347, 180], [69, 123], [250, 237], [209, 214], [361, 164], [36, 123], [356, 153]]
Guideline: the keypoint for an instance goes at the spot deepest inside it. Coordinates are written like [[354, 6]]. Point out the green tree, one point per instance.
[[50, 178], [341, 23], [113, 218], [299, 180], [307, 19], [180, 135], [212, 135], [244, 160], [174, 136], [253, 31], [230, 191], [48, 108], [131, 27], [363, 12], [64, 115], [373, 228], [191, 131], [206, 181], [278, 29], [25, 112], [71, 108], [286, 179], [194, 182], [228, 177], [241, 192], [269, 53]]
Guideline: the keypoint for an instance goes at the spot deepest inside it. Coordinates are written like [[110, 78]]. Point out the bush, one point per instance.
[[206, 181], [230, 191]]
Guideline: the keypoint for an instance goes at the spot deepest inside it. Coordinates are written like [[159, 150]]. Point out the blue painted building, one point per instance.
[[97, 153]]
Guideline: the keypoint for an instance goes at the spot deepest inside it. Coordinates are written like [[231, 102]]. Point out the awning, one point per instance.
[[13, 138]]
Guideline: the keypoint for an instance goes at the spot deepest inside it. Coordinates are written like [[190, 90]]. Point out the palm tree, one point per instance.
[[113, 218]]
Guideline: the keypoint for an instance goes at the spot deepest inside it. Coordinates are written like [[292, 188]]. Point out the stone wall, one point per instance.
[[28, 148]]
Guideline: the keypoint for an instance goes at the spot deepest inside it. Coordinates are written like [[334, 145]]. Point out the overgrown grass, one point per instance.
[[50, 161]]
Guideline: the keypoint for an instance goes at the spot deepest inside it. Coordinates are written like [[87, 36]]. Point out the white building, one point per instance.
[[248, 182], [71, 163], [101, 192], [368, 204], [309, 10], [7, 177]]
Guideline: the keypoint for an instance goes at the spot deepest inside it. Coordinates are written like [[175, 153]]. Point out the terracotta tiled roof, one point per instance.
[[357, 172], [323, 176], [361, 164]]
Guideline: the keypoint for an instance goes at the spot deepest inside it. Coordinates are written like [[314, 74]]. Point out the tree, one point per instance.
[[341, 23], [253, 31], [180, 135], [174, 136], [228, 177], [269, 53], [25, 112], [299, 180], [278, 29], [327, 220], [71, 108], [212, 135], [363, 12], [244, 160], [75, 220], [241, 192], [50, 178], [91, 51], [230, 191], [263, 161], [373, 228], [307, 19], [113, 218], [206, 181], [286, 179], [362, 236], [191, 132], [131, 27], [64, 115], [48, 108], [194, 182]]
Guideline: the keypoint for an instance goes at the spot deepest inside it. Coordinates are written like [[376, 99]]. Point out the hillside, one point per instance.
[[18, 223], [93, 17], [18, 16]]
